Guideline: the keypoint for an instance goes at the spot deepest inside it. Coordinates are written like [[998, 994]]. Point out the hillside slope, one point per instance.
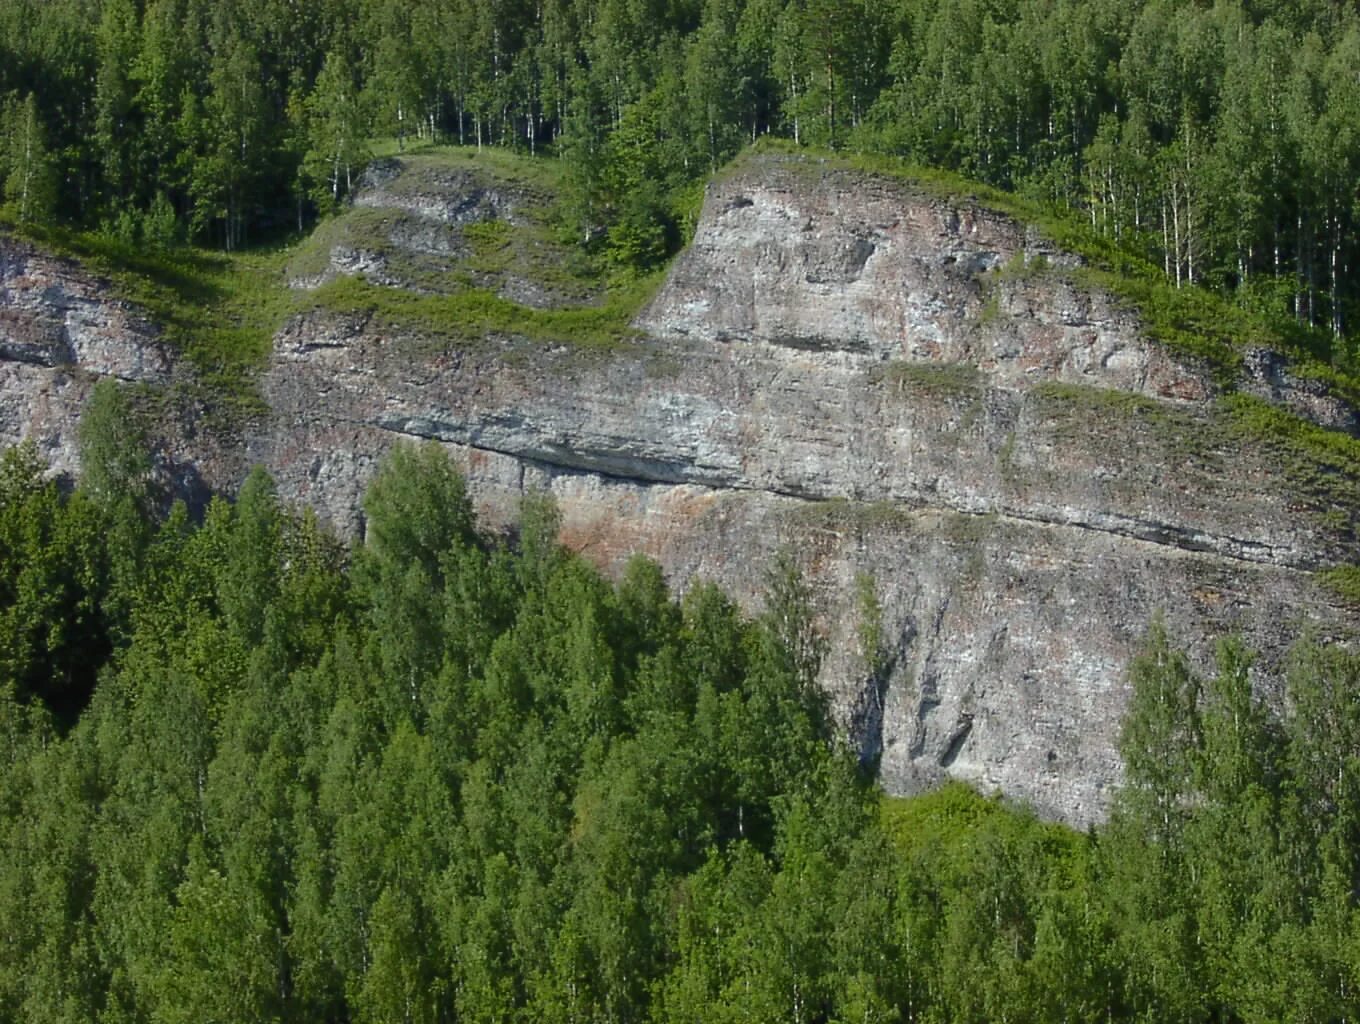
[[905, 390]]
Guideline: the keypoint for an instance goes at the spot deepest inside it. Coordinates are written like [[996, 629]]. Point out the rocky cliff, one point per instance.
[[60, 332], [899, 388]]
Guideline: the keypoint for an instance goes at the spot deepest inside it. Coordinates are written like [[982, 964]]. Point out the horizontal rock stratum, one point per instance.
[[898, 388]]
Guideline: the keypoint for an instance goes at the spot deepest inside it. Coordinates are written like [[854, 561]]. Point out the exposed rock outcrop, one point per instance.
[[894, 386], [59, 333], [413, 225]]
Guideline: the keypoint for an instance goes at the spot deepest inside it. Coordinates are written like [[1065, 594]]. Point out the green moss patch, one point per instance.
[[1322, 466], [425, 162], [1081, 413], [1096, 402], [844, 515], [949, 380], [1344, 583]]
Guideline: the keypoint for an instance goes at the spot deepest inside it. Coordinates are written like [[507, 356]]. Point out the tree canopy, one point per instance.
[[249, 773]]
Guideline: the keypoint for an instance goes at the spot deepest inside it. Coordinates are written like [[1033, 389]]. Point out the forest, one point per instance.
[[1220, 140], [249, 773]]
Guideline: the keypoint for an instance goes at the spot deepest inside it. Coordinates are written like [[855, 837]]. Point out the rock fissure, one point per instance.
[[648, 473], [1165, 535]]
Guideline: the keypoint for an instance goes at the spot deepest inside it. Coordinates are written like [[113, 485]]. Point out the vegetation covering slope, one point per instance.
[[247, 774], [440, 283], [454, 245]]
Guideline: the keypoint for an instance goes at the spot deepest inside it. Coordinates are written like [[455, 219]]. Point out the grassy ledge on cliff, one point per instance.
[[443, 244]]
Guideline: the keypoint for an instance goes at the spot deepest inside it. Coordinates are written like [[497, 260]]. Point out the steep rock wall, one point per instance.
[[887, 384], [893, 386], [62, 330]]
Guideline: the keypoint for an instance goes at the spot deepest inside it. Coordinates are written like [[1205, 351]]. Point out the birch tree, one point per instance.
[[30, 184], [337, 130]]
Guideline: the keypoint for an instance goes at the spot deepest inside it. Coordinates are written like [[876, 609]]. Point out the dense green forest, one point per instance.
[[1222, 140], [249, 774]]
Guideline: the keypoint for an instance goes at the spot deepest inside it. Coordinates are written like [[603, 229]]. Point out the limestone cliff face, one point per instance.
[[896, 388], [58, 334]]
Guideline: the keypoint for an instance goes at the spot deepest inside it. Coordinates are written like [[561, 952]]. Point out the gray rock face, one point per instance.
[[59, 333], [447, 196], [894, 387]]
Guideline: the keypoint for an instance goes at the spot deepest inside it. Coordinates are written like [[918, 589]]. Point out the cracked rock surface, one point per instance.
[[889, 385]]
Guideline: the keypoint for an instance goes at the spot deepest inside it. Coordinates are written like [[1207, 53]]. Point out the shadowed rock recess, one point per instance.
[[895, 387]]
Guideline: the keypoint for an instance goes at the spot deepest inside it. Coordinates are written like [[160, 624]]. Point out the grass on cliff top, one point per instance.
[[221, 310], [470, 314], [426, 169], [480, 254], [513, 168], [462, 280]]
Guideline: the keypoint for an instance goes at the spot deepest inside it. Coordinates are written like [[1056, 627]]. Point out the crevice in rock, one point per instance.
[[926, 705], [48, 356], [866, 720], [1164, 535], [956, 742], [814, 343], [646, 472]]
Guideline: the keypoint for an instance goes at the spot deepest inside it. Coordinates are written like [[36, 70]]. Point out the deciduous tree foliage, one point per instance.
[[439, 777]]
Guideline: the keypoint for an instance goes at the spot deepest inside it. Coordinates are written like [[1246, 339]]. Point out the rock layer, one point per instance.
[[896, 387]]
